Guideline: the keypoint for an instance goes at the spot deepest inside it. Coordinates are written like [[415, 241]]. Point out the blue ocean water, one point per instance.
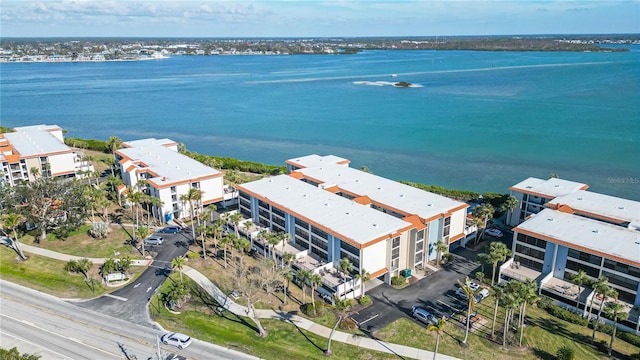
[[480, 120]]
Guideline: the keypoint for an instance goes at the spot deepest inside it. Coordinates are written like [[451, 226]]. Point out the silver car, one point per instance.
[[154, 240], [179, 340]]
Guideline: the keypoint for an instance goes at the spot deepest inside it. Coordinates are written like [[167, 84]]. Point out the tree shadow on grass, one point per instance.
[[288, 317], [557, 327], [542, 354], [205, 299]]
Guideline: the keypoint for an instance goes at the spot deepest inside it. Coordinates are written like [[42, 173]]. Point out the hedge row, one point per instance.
[[567, 315], [88, 144], [463, 195], [239, 165]]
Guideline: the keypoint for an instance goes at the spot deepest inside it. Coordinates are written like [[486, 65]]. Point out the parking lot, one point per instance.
[[436, 293]]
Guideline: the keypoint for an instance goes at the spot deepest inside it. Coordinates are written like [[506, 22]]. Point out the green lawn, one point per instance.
[[543, 336], [48, 275], [284, 339], [79, 243]]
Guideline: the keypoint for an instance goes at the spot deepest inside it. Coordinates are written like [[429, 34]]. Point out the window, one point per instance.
[[586, 257], [319, 243], [622, 268], [277, 211], [525, 250], [302, 223], [319, 232], [532, 241], [621, 281], [531, 264], [419, 245], [195, 185], [591, 271], [245, 196], [302, 233], [395, 243], [349, 248], [173, 189]]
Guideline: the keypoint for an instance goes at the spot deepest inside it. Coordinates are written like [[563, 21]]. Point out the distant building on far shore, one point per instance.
[[38, 150], [155, 167]]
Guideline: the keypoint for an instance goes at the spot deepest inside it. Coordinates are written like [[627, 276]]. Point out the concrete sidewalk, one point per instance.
[[64, 257], [306, 324]]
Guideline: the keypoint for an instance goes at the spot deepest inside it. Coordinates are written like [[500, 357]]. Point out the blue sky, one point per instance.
[[308, 18]]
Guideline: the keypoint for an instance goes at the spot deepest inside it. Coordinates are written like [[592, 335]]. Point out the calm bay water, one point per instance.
[[481, 120]]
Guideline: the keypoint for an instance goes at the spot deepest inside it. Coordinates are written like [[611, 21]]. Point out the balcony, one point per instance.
[[512, 270]]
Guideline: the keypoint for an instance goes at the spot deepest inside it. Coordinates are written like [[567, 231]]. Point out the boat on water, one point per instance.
[[394, 75]]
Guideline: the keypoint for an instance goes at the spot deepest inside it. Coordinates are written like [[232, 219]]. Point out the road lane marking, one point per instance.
[[63, 336], [136, 285], [369, 319], [62, 356], [116, 297], [149, 289]]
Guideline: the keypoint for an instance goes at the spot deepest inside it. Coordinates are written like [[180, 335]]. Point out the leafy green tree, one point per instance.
[[438, 328], [49, 203], [14, 354], [614, 310]]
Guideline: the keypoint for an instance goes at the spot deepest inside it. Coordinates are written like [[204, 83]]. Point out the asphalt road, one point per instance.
[[130, 302], [436, 293], [42, 324]]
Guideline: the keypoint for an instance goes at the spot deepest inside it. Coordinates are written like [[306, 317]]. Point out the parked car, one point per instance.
[[494, 232], [170, 230], [480, 294], [421, 314], [154, 240], [176, 339]]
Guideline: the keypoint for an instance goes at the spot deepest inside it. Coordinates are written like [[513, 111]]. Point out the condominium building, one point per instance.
[[168, 175], [533, 193], [332, 211], [38, 150], [581, 230]]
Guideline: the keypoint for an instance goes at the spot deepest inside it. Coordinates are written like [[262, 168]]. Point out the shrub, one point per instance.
[[398, 280], [447, 257], [631, 338], [99, 230], [635, 356], [566, 315], [344, 304], [365, 300], [348, 324], [479, 275], [192, 255], [311, 311], [565, 353]]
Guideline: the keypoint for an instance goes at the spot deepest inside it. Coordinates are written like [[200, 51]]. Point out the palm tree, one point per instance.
[[285, 237], [498, 252], [108, 267], [287, 276], [441, 248], [314, 280], [11, 221], [273, 239], [580, 279], [345, 266], [178, 262], [438, 328], [484, 212], [243, 245], [224, 241], [142, 232], [216, 231], [601, 288], [235, 220], [202, 231], [113, 144], [246, 226], [363, 276], [528, 294], [508, 206], [471, 303], [614, 310], [303, 276], [510, 302], [83, 266], [193, 195], [498, 293]]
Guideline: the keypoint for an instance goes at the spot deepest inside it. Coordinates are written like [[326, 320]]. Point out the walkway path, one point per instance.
[[298, 321], [303, 323]]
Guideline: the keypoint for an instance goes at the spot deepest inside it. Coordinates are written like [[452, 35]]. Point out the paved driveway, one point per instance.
[[130, 302], [436, 293]]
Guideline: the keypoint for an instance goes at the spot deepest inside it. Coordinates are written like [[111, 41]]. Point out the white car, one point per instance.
[[176, 339], [494, 232], [154, 240]]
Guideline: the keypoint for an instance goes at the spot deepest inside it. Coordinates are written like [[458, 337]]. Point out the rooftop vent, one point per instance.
[[556, 185], [374, 225], [579, 198], [529, 186], [594, 231], [621, 207], [549, 219]]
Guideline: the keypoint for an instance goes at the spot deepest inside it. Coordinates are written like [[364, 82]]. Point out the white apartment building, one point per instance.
[[581, 230], [333, 211], [168, 175], [533, 193], [39, 147]]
